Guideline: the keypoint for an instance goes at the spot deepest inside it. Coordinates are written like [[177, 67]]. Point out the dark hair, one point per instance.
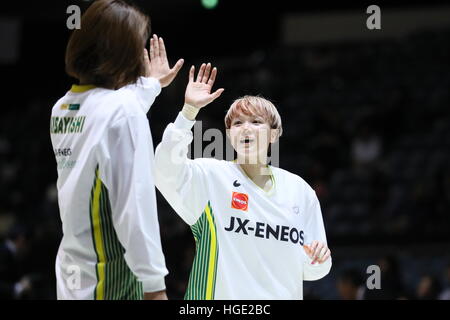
[[108, 49]]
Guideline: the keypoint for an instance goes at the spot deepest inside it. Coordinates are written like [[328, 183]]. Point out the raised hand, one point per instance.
[[198, 92], [157, 66]]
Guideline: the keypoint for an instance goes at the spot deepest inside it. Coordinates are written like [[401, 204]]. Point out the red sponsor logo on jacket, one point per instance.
[[239, 201]]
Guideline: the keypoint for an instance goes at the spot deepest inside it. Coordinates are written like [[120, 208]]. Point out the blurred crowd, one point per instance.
[[352, 283], [367, 125]]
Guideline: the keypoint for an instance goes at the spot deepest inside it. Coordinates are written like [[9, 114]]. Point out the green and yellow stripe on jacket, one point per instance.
[[202, 280], [115, 281]]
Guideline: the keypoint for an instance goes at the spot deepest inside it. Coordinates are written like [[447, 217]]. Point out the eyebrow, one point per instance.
[[253, 117]]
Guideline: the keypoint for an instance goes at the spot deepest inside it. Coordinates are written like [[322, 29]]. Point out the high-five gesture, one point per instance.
[[157, 66], [198, 92]]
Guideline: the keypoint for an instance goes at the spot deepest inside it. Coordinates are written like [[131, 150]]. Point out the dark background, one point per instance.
[[366, 123]]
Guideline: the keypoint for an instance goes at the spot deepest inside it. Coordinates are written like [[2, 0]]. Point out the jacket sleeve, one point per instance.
[[182, 181], [314, 230], [146, 89], [127, 156]]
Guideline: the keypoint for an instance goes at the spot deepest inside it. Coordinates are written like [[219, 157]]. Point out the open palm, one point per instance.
[[198, 93], [157, 65]]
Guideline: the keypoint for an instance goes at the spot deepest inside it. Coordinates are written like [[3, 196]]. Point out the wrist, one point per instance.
[[189, 111], [160, 295]]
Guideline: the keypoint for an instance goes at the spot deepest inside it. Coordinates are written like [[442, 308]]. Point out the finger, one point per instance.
[[191, 74], [321, 253], [146, 63], [177, 67], [308, 250], [212, 77], [314, 245], [156, 44], [217, 93], [152, 49], [326, 256], [146, 55], [207, 72], [213, 96], [318, 249], [315, 257], [200, 73], [162, 49]]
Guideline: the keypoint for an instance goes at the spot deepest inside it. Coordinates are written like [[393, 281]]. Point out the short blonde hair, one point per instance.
[[255, 105]]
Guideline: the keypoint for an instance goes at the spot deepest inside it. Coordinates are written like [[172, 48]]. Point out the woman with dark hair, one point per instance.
[[111, 247]]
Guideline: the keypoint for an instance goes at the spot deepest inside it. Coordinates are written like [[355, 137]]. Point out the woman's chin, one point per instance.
[[247, 157]]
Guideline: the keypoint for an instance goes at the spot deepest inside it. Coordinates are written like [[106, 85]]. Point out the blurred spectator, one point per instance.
[[366, 147], [346, 107], [391, 282], [445, 294], [14, 284], [350, 285], [428, 288]]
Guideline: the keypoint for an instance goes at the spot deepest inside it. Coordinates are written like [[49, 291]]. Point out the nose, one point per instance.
[[246, 126]]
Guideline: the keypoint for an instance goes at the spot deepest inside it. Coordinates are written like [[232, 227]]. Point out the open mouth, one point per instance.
[[246, 140]]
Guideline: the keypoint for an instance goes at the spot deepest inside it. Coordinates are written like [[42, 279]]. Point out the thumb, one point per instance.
[[146, 54], [217, 93], [177, 67], [213, 96], [146, 60]]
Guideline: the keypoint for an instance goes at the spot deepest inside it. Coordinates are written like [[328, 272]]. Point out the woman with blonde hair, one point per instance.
[[258, 229]]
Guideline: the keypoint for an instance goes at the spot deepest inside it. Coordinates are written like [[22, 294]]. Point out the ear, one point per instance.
[[274, 135], [227, 132]]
